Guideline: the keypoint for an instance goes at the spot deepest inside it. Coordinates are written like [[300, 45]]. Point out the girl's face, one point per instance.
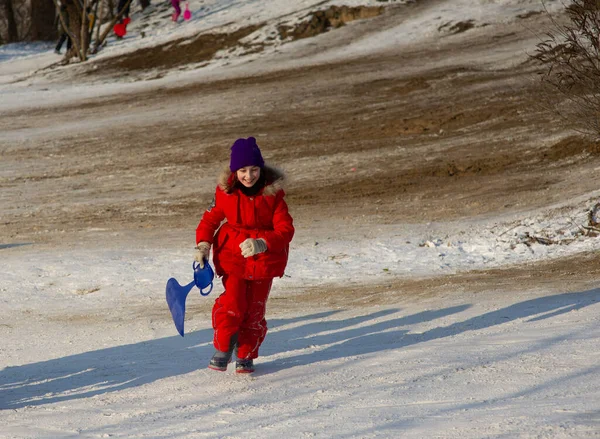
[[248, 175]]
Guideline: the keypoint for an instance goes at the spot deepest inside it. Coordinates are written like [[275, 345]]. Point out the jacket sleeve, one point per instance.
[[211, 220], [283, 226]]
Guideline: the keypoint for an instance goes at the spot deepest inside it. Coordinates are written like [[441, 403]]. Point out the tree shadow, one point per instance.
[[121, 367], [382, 335], [346, 340], [589, 418], [18, 244], [109, 370]]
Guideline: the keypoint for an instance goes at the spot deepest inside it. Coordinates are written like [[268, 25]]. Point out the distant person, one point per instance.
[[120, 28], [249, 250], [123, 6], [177, 6], [62, 30]]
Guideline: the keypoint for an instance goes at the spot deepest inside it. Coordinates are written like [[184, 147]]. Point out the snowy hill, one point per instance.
[[443, 280]]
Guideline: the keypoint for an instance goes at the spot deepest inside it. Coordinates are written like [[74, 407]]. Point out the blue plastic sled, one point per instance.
[[177, 294]]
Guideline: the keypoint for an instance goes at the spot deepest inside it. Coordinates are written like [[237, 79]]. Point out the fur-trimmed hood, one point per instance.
[[274, 180]]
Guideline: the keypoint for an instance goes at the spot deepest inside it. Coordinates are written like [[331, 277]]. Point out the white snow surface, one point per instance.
[[486, 365]]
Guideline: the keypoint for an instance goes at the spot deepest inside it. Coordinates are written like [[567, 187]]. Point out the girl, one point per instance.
[[249, 250]]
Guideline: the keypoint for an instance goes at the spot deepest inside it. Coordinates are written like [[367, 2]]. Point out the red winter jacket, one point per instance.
[[264, 215]]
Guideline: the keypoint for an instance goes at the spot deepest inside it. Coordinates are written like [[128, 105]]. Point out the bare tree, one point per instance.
[[35, 20], [12, 32], [69, 16], [42, 20], [75, 19], [27, 20], [570, 56]]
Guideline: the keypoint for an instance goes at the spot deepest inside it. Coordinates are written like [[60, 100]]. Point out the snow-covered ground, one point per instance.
[[88, 348]]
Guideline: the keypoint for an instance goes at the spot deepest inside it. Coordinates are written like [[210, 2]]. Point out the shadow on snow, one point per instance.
[[381, 336], [112, 369], [121, 367], [19, 244]]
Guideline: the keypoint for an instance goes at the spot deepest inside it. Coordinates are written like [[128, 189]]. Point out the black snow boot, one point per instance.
[[220, 359], [244, 366]]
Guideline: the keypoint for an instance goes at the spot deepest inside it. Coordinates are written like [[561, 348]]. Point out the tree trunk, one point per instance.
[[111, 9], [85, 31], [73, 10], [12, 31], [42, 20]]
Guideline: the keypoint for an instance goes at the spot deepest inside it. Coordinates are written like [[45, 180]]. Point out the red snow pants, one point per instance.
[[241, 310]]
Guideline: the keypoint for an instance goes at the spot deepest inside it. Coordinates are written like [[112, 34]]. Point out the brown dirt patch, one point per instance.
[[572, 146], [176, 53], [571, 274], [529, 14], [203, 47], [330, 18], [444, 144], [457, 28]]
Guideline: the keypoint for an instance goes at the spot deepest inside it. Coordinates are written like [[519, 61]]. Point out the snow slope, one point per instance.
[[88, 349]]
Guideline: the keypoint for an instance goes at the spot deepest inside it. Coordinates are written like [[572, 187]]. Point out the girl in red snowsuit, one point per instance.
[[249, 249]]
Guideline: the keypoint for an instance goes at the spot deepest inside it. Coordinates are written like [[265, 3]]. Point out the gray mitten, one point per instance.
[[251, 247]]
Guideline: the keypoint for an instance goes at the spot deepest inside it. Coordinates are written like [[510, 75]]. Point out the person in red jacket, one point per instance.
[[249, 229]]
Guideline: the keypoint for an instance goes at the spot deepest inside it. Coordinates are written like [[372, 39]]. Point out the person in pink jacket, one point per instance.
[[249, 249], [177, 7]]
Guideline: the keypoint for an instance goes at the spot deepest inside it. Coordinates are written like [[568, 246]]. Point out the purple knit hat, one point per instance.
[[245, 152]]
